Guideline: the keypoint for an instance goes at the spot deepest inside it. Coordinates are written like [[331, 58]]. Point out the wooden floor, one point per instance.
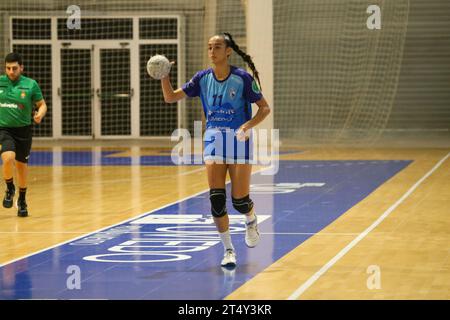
[[411, 246]]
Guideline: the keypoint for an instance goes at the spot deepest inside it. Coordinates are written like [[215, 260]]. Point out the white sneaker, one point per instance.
[[229, 258], [251, 233]]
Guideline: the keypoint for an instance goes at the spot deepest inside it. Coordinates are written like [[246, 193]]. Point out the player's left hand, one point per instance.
[[37, 118], [243, 133]]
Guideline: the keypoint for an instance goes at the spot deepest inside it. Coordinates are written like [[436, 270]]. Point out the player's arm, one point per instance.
[[41, 111], [261, 114], [170, 95]]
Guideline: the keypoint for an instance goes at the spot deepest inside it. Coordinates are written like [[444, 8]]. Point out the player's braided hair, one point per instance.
[[233, 45]]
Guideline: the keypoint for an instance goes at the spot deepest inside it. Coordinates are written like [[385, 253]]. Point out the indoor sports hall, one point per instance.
[[351, 180]]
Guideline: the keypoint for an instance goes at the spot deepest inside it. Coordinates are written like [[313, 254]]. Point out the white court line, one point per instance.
[[297, 293], [192, 171], [139, 232], [119, 223]]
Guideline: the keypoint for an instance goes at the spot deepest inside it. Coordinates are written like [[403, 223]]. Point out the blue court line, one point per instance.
[[90, 158], [302, 199], [104, 158]]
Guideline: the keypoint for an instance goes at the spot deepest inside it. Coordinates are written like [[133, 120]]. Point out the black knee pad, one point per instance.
[[218, 198], [243, 205]]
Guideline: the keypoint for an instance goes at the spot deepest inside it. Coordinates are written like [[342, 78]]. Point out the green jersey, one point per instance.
[[17, 99]]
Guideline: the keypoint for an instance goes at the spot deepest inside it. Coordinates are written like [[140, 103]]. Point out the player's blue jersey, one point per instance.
[[226, 103]]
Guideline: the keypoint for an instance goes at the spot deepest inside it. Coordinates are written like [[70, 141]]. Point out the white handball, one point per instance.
[[158, 67]]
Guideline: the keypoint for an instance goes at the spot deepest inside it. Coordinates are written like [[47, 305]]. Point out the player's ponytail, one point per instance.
[[233, 45]]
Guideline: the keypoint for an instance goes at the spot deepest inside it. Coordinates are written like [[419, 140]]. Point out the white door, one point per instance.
[[95, 90], [113, 90], [75, 91]]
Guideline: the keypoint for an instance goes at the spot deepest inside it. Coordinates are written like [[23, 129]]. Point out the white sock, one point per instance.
[[226, 240], [250, 217]]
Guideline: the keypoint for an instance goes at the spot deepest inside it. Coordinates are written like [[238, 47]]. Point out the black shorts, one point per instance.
[[17, 140]]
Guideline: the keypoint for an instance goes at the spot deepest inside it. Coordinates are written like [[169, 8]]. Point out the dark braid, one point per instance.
[[233, 45]]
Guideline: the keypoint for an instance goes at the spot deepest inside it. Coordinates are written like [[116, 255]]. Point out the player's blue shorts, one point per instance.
[[222, 146]]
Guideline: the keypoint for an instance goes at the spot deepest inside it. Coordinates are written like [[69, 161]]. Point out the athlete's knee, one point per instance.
[[243, 205], [8, 157], [218, 200]]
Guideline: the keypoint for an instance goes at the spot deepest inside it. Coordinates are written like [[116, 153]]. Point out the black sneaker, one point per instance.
[[8, 199], [22, 209]]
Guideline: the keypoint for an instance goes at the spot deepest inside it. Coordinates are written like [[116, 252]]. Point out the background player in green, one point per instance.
[[19, 96]]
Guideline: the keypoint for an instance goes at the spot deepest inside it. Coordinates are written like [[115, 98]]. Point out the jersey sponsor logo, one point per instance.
[[221, 113], [210, 113], [255, 87], [9, 105]]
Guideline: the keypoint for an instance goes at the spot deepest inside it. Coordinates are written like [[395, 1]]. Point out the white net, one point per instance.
[[339, 82]]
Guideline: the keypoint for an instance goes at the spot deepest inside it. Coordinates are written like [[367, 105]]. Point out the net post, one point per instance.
[[259, 27]]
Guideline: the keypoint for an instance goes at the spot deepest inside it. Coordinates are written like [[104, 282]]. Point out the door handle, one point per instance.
[[130, 94]]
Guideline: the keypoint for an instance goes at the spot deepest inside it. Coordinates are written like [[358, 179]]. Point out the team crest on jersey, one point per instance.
[[255, 87], [23, 95], [232, 93], [21, 107]]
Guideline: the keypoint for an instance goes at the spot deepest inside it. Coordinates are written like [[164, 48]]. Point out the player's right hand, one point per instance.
[[172, 64]]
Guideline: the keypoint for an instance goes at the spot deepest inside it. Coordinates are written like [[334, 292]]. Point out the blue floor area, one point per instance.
[[174, 252], [107, 158], [89, 158]]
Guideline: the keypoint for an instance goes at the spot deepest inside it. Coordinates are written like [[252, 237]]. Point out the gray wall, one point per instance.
[[423, 93]]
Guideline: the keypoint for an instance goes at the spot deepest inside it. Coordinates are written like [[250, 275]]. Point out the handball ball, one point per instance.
[[158, 66]]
